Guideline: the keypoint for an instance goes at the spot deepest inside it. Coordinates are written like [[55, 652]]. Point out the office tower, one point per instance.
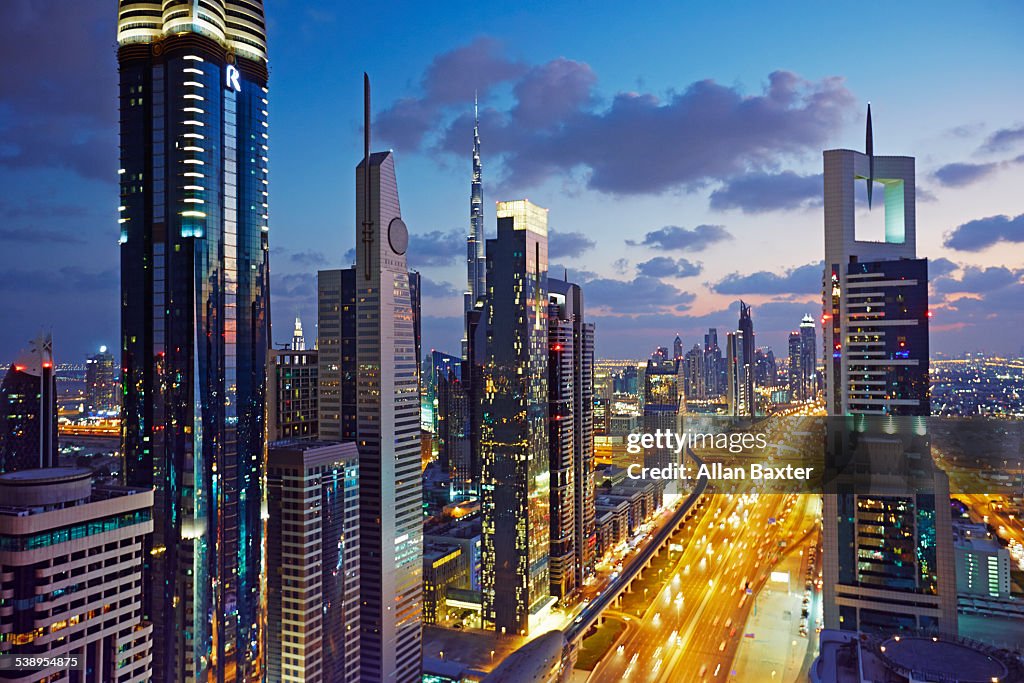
[[713, 366], [387, 427], [746, 329], [102, 390], [677, 348], [888, 543], [808, 357], [571, 392], [474, 386], [694, 373], [71, 557], [445, 566], [298, 338], [476, 264], [194, 321], [336, 353], [795, 367], [663, 400], [454, 443], [514, 433], [313, 562], [765, 368], [739, 376], [293, 384], [28, 410]]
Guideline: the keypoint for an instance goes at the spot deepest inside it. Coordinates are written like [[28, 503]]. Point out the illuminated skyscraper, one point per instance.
[[102, 390], [28, 410], [313, 562], [194, 323], [515, 484], [663, 405], [336, 353], [808, 357], [889, 562], [571, 438], [387, 428], [476, 264]]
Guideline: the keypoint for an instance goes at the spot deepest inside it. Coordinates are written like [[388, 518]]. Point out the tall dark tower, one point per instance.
[[28, 410], [746, 326], [476, 264], [387, 428], [195, 318]]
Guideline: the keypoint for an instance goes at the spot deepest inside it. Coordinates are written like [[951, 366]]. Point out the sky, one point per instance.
[[677, 147]]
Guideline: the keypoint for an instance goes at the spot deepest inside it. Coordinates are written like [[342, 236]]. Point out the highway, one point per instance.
[[589, 614]]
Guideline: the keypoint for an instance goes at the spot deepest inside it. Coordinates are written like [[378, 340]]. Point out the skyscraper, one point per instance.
[[28, 410], [808, 357], [694, 372], [292, 405], [336, 353], [713, 367], [102, 390], [515, 484], [663, 402], [746, 329], [888, 541], [571, 438], [795, 367], [387, 427], [677, 348], [454, 451], [194, 322], [476, 264], [313, 562]]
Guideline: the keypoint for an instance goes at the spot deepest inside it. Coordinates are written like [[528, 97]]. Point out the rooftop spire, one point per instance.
[[869, 150]]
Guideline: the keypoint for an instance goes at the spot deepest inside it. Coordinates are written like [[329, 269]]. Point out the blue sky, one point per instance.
[[676, 147]]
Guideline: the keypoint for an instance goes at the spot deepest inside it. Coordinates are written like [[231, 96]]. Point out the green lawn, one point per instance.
[[596, 645]]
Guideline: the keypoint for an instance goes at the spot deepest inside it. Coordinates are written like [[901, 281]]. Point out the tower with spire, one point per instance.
[[475, 261]]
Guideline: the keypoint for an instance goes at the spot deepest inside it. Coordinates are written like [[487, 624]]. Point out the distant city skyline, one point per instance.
[[663, 249]]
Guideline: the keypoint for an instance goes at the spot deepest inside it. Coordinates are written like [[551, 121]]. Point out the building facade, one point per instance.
[[293, 386], [102, 388], [28, 410], [336, 353], [514, 456], [195, 320], [887, 539], [313, 562], [663, 403], [71, 559], [387, 428]]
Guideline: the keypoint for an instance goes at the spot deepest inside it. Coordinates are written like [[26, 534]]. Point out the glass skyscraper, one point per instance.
[[515, 483], [28, 410], [195, 320]]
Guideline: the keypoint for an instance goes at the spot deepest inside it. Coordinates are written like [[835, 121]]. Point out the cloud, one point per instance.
[[664, 266], [977, 280], [642, 293], [58, 280], [436, 248], [437, 289], [555, 124], [941, 266], [38, 126], [452, 78], [309, 258], [568, 244], [1004, 138], [962, 174], [35, 235], [675, 238], [293, 285], [349, 257], [984, 232], [760, 192], [804, 279]]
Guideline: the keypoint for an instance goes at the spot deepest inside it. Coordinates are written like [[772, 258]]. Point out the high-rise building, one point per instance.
[[694, 373], [336, 353], [888, 542], [746, 329], [738, 371], [313, 562], [714, 370], [102, 390], [293, 385], [298, 338], [387, 427], [476, 263], [808, 357], [677, 348], [28, 410], [71, 557], [452, 414], [571, 438], [195, 318], [663, 403], [803, 361], [514, 455]]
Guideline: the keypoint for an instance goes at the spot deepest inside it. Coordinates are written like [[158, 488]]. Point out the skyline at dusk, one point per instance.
[[682, 171]]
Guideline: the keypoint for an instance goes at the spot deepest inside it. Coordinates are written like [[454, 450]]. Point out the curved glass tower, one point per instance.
[[195, 321]]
